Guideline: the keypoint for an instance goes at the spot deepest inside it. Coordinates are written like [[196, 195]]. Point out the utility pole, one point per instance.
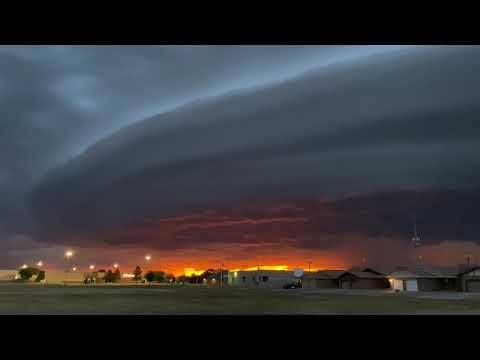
[[309, 263]]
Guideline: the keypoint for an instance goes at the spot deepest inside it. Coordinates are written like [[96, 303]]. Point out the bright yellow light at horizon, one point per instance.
[[148, 257], [266, 267], [69, 253], [192, 271]]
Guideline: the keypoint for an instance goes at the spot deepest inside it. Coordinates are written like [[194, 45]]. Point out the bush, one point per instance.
[[117, 276], [109, 276], [155, 276], [149, 276], [138, 273], [40, 276], [27, 273]]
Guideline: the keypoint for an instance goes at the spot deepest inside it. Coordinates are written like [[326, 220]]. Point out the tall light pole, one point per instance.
[[309, 263], [68, 256], [221, 273]]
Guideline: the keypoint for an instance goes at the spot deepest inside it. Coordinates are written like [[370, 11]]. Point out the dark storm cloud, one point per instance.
[[58, 100], [396, 121]]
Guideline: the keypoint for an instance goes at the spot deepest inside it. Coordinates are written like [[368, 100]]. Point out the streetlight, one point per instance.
[[74, 268], [68, 256], [92, 267], [147, 257], [40, 263], [24, 266]]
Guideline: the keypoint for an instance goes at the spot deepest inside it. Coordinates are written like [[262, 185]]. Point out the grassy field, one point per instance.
[[51, 299]]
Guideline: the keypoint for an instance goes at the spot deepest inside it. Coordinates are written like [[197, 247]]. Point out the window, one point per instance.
[[244, 278], [264, 278]]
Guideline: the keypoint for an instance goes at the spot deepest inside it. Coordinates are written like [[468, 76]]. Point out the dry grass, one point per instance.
[[49, 299]]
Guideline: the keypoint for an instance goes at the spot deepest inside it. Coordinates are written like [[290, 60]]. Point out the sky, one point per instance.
[[241, 155]]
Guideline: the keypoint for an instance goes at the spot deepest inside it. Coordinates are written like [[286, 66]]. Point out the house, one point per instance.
[[8, 275], [470, 279], [323, 279], [271, 279], [363, 279], [424, 278]]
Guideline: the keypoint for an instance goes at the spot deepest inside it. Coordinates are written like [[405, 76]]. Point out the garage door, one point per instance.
[[473, 285], [412, 285], [398, 285]]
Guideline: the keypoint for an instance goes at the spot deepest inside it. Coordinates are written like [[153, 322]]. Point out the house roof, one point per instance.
[[324, 274], [425, 271], [362, 275], [468, 271], [365, 269]]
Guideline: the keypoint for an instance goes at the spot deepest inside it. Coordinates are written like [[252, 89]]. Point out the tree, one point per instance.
[[40, 276], [117, 275], [149, 276], [138, 273], [27, 273], [109, 276]]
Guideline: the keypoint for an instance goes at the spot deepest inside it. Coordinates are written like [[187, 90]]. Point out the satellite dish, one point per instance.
[[298, 272]]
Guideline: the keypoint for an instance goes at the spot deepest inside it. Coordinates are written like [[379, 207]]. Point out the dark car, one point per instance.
[[292, 286]]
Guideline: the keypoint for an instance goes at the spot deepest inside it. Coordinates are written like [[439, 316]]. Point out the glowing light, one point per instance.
[[191, 272], [92, 267], [266, 267], [40, 263], [148, 257], [24, 266], [69, 254], [115, 266], [130, 276], [74, 269]]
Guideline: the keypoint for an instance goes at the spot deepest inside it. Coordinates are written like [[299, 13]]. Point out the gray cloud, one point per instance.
[[393, 121], [57, 101]]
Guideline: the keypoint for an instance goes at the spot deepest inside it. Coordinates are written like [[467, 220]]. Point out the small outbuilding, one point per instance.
[[273, 279]]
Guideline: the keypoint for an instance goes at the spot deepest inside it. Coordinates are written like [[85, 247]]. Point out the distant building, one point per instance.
[[425, 278], [270, 279], [8, 275]]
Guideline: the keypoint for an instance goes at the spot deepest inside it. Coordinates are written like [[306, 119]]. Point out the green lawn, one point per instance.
[[50, 299]]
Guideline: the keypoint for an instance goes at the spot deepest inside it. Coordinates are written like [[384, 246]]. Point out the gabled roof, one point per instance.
[[324, 274], [468, 271], [425, 271], [362, 275], [365, 269]]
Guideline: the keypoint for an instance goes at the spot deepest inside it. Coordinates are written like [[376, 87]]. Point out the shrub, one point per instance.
[[138, 273], [109, 276], [27, 273], [40, 276], [149, 276]]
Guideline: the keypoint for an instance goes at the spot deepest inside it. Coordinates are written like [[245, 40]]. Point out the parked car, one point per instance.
[[292, 285]]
